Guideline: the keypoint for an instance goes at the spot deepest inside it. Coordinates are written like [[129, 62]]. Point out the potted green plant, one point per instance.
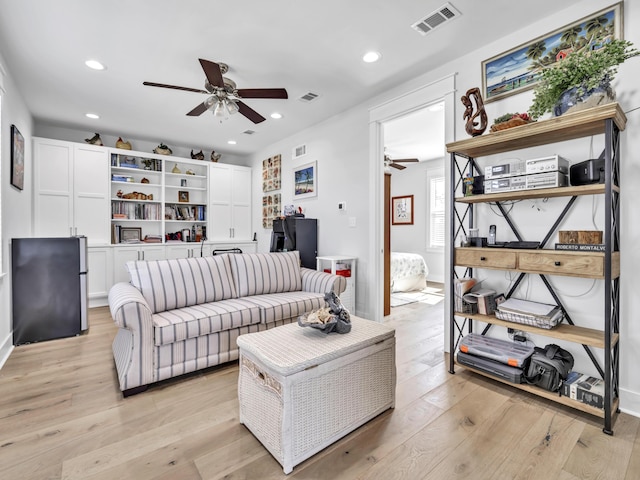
[[581, 74]]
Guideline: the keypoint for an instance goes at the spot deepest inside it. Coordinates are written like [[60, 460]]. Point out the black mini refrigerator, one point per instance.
[[49, 288]]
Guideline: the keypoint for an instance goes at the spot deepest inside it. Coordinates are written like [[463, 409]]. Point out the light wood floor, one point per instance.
[[62, 416]]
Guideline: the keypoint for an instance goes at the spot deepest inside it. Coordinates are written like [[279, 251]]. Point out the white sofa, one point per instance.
[[181, 315]]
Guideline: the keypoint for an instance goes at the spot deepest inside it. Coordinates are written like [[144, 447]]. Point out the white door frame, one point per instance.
[[439, 90]]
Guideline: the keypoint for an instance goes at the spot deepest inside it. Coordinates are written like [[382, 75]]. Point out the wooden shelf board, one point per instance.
[[537, 193], [548, 395], [566, 127], [564, 331]]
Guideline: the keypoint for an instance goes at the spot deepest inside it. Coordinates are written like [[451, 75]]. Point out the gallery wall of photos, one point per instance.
[[271, 181]]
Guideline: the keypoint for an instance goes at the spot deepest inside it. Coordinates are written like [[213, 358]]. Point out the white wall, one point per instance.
[[340, 144], [16, 204], [413, 238]]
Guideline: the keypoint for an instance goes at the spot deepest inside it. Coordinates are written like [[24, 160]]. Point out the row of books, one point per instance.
[[123, 161], [185, 212], [135, 211]]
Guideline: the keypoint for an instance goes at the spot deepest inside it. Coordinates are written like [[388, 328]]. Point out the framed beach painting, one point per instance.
[[519, 69], [305, 180]]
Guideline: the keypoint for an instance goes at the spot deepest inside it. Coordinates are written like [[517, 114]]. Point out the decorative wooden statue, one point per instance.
[[470, 117]]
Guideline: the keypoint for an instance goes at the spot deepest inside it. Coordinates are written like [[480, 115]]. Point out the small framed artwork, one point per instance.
[[17, 158], [183, 196], [305, 180], [402, 210], [130, 234]]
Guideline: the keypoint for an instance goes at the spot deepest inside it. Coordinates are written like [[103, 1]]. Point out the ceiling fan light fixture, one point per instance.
[[220, 110], [232, 107]]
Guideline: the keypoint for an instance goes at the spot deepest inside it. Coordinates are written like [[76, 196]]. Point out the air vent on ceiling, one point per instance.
[[308, 97], [299, 151], [249, 132], [444, 14]]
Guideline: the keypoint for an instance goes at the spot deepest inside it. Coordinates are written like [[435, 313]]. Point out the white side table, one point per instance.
[[345, 266]]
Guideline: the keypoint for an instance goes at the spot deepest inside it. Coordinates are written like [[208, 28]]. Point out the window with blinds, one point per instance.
[[436, 220]]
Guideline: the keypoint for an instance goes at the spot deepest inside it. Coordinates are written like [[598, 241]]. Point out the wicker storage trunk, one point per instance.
[[300, 390]]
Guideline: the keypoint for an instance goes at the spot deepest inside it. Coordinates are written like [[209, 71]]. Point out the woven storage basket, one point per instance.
[[300, 390]]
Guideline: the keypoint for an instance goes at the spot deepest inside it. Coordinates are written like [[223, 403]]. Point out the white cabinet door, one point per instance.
[[91, 194], [122, 255], [99, 268], [71, 190], [229, 203], [53, 188], [155, 252]]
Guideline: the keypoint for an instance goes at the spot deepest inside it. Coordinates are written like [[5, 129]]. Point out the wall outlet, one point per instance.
[[352, 222]]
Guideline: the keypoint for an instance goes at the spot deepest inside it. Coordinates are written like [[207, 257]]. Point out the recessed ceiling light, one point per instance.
[[371, 57], [92, 115], [232, 142], [95, 65], [276, 115]]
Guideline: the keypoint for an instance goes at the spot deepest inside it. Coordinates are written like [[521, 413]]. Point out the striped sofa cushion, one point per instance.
[[260, 273], [275, 307], [170, 284], [199, 320]]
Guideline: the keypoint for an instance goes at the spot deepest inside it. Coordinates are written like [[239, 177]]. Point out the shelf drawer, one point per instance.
[[484, 258], [580, 265]]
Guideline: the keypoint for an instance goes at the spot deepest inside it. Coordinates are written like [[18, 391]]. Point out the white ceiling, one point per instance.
[[300, 45]]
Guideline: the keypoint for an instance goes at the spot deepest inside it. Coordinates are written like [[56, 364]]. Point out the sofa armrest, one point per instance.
[[133, 346], [322, 282]]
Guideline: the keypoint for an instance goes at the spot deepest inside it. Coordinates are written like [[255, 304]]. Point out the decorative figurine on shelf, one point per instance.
[[215, 156], [470, 117], [119, 194], [162, 149], [95, 140], [197, 156], [144, 180], [190, 172], [175, 169], [122, 144]]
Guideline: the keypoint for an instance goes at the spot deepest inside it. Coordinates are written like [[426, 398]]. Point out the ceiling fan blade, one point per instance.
[[213, 73], [249, 112], [199, 110], [399, 167], [406, 160], [175, 87], [263, 93]]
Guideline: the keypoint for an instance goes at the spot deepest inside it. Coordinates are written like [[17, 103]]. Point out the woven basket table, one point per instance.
[[300, 389]]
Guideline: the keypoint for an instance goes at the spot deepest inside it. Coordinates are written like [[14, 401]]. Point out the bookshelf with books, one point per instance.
[[136, 196]]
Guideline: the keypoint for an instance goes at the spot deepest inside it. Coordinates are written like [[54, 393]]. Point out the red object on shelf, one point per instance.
[[342, 273]]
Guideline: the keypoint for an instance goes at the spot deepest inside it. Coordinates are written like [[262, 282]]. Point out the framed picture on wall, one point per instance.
[[17, 158], [519, 69], [305, 180], [402, 210]]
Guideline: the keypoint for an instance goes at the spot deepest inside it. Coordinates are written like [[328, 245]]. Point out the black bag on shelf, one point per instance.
[[548, 367]]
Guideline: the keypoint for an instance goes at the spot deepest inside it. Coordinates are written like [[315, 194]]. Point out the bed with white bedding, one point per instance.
[[408, 272]]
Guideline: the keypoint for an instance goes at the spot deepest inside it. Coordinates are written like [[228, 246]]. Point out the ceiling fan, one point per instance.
[[396, 163], [224, 98]]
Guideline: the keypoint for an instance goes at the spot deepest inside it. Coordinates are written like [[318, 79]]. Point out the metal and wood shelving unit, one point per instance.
[[609, 120]]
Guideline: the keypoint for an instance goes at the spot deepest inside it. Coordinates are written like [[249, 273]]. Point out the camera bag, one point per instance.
[[548, 367]]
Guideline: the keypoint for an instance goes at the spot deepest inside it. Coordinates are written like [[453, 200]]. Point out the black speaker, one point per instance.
[[587, 172]]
